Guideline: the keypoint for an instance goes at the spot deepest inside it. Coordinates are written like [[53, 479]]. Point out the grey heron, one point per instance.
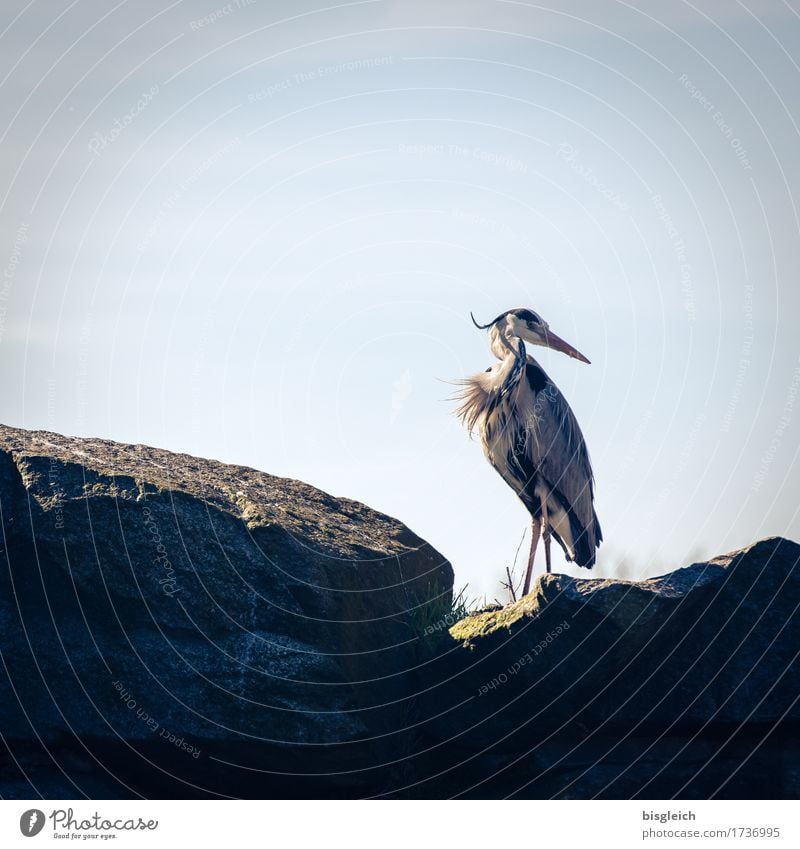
[[531, 437]]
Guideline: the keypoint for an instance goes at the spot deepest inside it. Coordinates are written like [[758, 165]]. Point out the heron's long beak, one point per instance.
[[558, 344]]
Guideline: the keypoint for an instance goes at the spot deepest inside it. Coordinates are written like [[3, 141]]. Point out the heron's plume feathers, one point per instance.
[[473, 397]]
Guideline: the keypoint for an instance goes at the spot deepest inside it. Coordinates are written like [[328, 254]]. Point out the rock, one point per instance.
[[171, 613], [659, 687], [713, 641], [176, 627]]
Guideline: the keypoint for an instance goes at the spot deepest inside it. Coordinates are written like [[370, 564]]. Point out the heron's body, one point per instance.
[[531, 437]]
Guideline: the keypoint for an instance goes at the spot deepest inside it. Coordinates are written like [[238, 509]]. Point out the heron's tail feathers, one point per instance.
[[579, 542], [586, 544]]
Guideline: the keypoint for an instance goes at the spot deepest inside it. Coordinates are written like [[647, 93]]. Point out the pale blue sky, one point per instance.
[[258, 238]]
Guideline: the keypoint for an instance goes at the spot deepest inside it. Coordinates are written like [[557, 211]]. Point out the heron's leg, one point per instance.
[[546, 533], [536, 528], [547, 551]]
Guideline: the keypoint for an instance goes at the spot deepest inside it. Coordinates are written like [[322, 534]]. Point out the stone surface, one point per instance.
[[660, 687], [714, 641], [166, 604], [178, 627]]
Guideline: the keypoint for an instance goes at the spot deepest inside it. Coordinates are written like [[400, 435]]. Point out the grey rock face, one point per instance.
[[170, 605], [655, 688], [178, 627], [714, 641]]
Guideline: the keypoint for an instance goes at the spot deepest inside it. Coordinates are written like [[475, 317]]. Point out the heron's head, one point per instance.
[[532, 328]]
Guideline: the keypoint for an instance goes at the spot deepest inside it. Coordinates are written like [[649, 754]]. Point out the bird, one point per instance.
[[531, 437]]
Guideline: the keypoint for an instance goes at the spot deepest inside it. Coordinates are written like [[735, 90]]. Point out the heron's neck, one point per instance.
[[502, 344]]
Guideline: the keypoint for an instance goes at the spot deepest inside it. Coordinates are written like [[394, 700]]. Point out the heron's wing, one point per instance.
[[555, 446]]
